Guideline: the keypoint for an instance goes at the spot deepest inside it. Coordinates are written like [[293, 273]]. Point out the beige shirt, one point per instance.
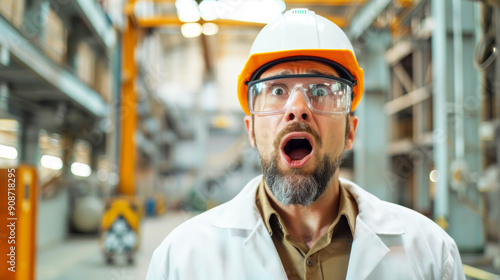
[[329, 256]]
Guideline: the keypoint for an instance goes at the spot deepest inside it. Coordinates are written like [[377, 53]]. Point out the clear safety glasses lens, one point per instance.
[[324, 95]]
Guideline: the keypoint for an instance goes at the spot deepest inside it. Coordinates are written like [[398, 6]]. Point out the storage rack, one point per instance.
[[57, 75], [409, 109]]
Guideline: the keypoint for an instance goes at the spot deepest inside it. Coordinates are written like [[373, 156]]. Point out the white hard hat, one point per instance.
[[300, 34]]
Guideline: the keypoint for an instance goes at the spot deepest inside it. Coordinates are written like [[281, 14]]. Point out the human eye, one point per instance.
[[319, 90], [278, 90]]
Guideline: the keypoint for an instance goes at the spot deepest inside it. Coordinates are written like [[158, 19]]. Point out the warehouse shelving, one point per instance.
[[29, 63], [408, 107], [47, 90], [34, 77], [94, 16]]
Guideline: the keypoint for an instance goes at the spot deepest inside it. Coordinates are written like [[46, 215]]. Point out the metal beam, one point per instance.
[[4, 56], [403, 77], [173, 20], [128, 110], [398, 52], [96, 19], [49, 71], [407, 100], [362, 21]]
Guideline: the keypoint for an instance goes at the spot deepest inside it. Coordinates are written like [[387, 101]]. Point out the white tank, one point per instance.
[[87, 214]]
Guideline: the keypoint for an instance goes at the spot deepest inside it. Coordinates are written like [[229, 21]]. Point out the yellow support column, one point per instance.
[[128, 115]]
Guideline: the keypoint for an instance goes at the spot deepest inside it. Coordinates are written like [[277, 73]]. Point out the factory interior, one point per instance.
[[119, 120]]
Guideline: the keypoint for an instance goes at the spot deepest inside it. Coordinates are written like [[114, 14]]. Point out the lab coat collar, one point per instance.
[[372, 211], [241, 212]]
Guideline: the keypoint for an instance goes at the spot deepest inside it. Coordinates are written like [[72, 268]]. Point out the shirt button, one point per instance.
[[308, 262]]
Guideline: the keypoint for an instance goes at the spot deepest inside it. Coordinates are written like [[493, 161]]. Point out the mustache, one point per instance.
[[297, 127]]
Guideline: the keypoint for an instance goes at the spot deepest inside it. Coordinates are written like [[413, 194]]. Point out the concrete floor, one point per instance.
[[80, 258]]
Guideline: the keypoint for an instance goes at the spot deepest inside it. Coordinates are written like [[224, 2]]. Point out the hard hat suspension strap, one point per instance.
[[343, 72]]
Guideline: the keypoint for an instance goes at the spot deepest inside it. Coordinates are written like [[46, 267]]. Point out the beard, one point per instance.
[[296, 187]]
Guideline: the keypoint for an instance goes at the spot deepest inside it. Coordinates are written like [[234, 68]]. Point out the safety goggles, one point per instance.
[[323, 94]]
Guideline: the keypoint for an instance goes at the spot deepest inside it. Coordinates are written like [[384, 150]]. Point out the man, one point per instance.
[[300, 220]]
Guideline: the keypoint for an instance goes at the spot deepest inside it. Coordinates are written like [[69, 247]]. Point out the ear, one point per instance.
[[353, 124], [249, 126]]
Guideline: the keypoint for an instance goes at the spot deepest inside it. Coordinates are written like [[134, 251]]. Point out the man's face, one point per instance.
[[300, 151]]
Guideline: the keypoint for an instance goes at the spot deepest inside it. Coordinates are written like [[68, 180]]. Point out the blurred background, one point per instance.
[[119, 120]]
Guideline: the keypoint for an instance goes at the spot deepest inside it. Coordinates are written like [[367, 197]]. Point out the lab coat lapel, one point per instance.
[[366, 253], [261, 246], [243, 216], [368, 249]]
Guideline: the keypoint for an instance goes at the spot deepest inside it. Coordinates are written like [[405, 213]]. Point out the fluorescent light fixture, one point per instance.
[[81, 169], [191, 30], [8, 152], [51, 162], [261, 11], [187, 10], [209, 28]]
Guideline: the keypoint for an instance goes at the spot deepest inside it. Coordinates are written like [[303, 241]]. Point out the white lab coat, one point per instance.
[[231, 242]]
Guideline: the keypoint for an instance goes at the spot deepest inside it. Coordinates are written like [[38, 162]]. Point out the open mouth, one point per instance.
[[297, 148]]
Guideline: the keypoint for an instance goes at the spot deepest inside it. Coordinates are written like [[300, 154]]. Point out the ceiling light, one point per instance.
[[8, 152], [81, 169], [51, 162], [209, 9], [209, 28], [191, 30], [187, 10], [261, 11]]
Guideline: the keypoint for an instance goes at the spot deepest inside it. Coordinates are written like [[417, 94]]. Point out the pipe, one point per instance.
[[439, 87], [458, 80]]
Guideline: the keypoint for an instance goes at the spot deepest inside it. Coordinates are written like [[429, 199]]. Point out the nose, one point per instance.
[[297, 108]]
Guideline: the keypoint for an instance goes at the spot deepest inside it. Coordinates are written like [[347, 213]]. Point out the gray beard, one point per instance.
[[296, 187]]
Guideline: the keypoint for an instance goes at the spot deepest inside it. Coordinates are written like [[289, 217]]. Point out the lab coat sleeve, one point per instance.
[[453, 269]]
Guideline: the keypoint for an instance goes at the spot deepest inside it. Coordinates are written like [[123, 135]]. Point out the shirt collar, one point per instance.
[[347, 208], [271, 217]]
